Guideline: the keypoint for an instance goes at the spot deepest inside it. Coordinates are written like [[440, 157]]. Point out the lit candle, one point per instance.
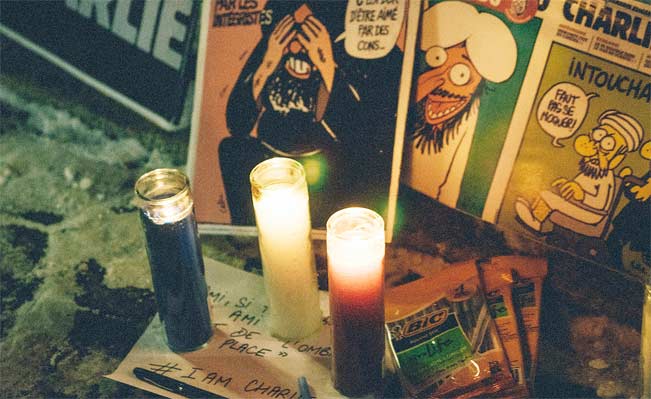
[[645, 355], [355, 246], [282, 214], [175, 259]]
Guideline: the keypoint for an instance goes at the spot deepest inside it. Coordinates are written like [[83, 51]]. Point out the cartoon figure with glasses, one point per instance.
[[588, 198], [460, 50]]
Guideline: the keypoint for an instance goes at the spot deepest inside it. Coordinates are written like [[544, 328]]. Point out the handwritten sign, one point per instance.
[[241, 359]]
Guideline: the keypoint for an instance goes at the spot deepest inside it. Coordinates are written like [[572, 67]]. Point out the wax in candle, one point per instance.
[[175, 258], [355, 246], [280, 201]]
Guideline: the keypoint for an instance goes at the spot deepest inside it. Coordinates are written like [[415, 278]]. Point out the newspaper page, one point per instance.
[[574, 170], [535, 115]]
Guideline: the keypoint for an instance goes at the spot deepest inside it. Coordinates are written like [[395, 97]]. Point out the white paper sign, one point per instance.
[[241, 360]]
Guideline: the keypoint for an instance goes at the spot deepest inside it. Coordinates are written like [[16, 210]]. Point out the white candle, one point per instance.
[[280, 200], [355, 242]]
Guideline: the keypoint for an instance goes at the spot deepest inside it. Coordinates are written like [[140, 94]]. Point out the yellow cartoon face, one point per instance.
[[645, 151], [600, 148], [449, 85]]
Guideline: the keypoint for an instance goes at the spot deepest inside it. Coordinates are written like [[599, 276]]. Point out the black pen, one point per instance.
[[303, 389], [172, 385]]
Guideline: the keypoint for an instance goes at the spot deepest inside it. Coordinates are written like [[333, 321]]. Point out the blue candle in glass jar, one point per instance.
[[175, 259]]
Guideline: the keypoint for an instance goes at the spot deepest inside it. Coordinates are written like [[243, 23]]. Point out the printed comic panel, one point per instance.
[[316, 81], [581, 180]]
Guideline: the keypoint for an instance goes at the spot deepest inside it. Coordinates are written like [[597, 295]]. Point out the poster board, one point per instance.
[[335, 102], [530, 155], [137, 53], [241, 359]]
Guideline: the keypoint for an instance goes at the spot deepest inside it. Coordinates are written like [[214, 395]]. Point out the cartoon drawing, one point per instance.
[[586, 203], [288, 83], [301, 96], [460, 50]]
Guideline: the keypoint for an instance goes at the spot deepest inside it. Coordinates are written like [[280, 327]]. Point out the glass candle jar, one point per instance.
[[174, 252], [282, 214], [355, 246]]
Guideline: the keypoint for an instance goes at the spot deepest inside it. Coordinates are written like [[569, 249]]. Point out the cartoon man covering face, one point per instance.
[[300, 95], [460, 49]]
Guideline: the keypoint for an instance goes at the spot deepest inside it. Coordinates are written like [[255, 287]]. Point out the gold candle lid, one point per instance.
[[164, 195], [276, 172]]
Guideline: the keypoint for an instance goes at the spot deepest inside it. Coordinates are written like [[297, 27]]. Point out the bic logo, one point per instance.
[[426, 322]]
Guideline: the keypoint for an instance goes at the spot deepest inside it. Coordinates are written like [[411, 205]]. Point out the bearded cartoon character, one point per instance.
[[460, 50], [286, 86]]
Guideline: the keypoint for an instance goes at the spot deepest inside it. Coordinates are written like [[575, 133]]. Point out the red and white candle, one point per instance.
[[355, 246]]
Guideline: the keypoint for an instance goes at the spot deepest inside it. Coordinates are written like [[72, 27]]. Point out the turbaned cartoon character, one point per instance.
[[460, 49], [589, 195]]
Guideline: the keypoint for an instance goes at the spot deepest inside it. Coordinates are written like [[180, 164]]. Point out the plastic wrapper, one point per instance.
[[526, 275]]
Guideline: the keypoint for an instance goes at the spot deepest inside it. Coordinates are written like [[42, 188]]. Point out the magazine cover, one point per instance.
[[470, 63], [534, 115], [316, 81], [577, 175]]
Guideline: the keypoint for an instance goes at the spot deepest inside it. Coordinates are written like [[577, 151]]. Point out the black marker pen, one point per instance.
[[172, 385]]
